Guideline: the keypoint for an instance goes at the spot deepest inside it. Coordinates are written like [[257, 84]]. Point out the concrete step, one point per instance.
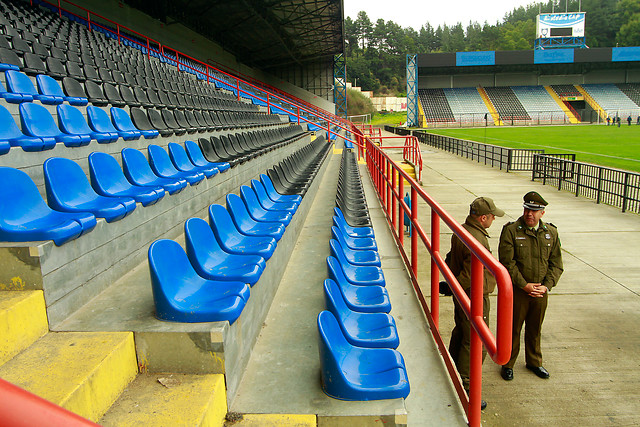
[[273, 420], [23, 319], [170, 399], [82, 372]]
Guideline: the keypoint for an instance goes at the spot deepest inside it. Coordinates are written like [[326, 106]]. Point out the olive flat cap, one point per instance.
[[484, 206], [534, 201]]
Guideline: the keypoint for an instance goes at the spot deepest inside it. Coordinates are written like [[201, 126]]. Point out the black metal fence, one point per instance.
[[613, 187], [604, 185], [509, 159]]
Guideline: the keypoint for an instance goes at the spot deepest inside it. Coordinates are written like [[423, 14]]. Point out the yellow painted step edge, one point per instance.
[[84, 372], [572, 118], [276, 420], [23, 319], [170, 399]]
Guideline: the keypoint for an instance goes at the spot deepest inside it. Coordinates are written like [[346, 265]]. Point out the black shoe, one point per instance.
[[483, 403], [539, 371], [506, 373]]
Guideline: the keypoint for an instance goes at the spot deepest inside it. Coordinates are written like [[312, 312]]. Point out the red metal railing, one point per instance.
[[388, 179], [410, 150], [20, 408]]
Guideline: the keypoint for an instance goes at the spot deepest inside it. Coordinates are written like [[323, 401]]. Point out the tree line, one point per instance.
[[376, 53]]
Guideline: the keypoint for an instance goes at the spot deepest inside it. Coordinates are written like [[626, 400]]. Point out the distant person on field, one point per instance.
[[608, 120], [482, 213], [638, 120], [629, 119], [530, 251], [618, 120]]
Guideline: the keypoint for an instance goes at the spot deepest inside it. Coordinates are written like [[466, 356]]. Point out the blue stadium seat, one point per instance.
[[14, 98], [11, 136], [20, 83], [48, 86], [274, 195], [232, 241], [356, 373], [257, 212], [269, 204], [211, 262], [68, 190], [138, 172], [25, 217], [197, 158], [181, 161], [355, 275], [122, 122], [107, 179], [249, 226], [37, 121], [373, 330], [180, 295], [357, 243], [352, 256], [100, 121], [162, 166], [72, 121], [363, 299], [262, 194], [350, 231]]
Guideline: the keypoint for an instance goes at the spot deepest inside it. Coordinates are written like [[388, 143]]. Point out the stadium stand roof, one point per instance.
[[554, 61], [290, 32]]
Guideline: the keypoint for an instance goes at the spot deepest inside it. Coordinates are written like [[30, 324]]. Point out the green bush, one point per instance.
[[358, 104]]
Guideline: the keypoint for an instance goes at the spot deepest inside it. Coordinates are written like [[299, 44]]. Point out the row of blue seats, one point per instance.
[[358, 337], [40, 131], [74, 203], [234, 246]]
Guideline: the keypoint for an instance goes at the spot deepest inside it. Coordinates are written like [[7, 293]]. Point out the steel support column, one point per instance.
[[340, 85], [412, 91]]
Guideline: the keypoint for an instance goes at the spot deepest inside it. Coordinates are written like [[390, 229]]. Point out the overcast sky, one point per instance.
[[416, 13]]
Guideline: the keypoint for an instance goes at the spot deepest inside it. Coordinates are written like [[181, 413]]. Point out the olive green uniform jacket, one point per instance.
[[531, 256], [461, 256]]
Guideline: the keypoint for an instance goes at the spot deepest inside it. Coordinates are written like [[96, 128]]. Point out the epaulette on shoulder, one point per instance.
[[508, 224], [551, 224]]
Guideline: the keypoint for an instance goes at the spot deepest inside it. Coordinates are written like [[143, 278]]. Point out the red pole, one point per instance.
[[475, 360], [435, 272], [414, 236], [401, 213], [394, 205]]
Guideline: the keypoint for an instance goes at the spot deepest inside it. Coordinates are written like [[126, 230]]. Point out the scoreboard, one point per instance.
[[553, 25]]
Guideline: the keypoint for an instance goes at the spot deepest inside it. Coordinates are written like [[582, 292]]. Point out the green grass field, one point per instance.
[[599, 144]]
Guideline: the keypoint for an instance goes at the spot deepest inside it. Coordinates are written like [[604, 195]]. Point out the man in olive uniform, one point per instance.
[[530, 251], [482, 213]]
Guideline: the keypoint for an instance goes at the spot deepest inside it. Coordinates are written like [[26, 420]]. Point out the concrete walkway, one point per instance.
[[591, 336], [283, 374]]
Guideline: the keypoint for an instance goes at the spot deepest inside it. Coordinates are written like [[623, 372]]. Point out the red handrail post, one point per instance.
[[475, 359], [414, 236], [298, 115], [390, 188], [401, 214], [435, 272], [394, 205]]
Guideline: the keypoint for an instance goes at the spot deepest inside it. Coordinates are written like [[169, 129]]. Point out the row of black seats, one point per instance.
[[294, 174], [350, 197], [238, 148]]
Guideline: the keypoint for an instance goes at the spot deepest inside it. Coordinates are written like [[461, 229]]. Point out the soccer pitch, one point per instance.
[[598, 144]]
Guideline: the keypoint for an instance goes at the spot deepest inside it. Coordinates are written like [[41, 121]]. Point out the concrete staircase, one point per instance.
[[492, 110], [572, 118], [95, 374]]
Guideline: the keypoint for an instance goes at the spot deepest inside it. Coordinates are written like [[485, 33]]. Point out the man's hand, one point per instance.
[[535, 290]]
